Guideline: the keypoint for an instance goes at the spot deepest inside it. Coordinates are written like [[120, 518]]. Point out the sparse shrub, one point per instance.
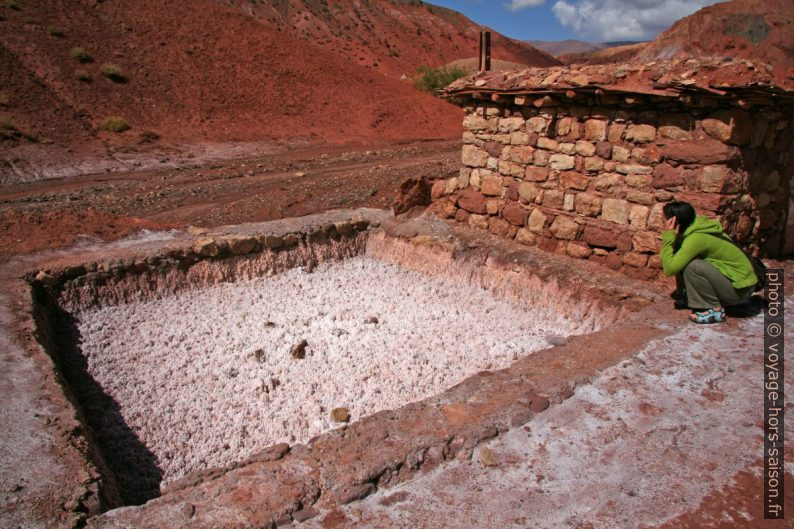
[[30, 21], [115, 124], [431, 79], [8, 131], [83, 76], [13, 5], [148, 136], [114, 73], [55, 31], [5, 100], [394, 52], [80, 55]]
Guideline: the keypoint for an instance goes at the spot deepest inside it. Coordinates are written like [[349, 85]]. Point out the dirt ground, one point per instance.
[[292, 183], [649, 406]]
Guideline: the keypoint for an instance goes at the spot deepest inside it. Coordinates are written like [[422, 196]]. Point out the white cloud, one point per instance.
[[608, 20], [516, 5]]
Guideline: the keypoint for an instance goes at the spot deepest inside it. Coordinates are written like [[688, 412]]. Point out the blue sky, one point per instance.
[[595, 20]]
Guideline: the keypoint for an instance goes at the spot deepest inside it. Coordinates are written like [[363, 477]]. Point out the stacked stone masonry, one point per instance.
[[590, 180]]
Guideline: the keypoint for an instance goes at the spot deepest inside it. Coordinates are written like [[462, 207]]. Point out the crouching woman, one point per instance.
[[711, 271]]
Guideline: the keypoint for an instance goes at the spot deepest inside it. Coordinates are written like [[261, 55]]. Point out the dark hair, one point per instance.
[[682, 211]]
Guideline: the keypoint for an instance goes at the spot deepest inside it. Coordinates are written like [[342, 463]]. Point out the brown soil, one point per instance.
[[54, 213]]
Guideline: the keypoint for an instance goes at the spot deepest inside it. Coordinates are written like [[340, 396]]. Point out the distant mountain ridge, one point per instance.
[[562, 47]]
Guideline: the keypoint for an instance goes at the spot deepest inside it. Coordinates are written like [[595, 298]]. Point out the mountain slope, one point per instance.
[[750, 29], [741, 28], [392, 36], [197, 70]]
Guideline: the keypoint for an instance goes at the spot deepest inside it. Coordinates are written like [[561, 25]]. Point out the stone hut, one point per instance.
[[581, 161]]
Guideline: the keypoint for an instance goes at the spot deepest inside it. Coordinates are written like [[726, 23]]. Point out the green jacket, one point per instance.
[[697, 243]]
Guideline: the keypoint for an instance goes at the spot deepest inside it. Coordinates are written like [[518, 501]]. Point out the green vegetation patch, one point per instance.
[[55, 31], [431, 79], [83, 76], [751, 26], [114, 73], [114, 124], [80, 55]]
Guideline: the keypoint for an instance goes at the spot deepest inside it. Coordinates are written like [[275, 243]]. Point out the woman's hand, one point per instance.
[[671, 224]]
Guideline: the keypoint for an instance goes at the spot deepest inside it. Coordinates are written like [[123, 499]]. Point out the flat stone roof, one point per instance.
[[748, 82]]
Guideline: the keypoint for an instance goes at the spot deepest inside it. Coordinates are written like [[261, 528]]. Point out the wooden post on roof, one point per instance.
[[487, 51], [484, 64]]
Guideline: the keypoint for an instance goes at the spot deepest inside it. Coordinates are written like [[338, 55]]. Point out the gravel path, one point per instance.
[[206, 378]]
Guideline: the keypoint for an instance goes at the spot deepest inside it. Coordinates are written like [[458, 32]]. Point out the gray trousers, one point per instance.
[[707, 287]]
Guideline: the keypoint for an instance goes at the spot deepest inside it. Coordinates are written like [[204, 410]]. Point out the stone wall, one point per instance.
[[591, 181]]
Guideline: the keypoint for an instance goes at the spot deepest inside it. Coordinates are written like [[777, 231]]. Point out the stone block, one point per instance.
[[616, 131], [494, 148], [574, 180], [638, 216], [537, 124], [564, 228], [479, 221], [716, 179], [568, 201], [639, 197], [502, 228], [552, 198], [701, 150], [620, 154], [656, 217], [665, 175], [608, 182], [474, 122], [593, 164], [548, 144], [471, 200], [615, 210], [578, 250], [587, 204], [507, 168], [473, 156], [510, 124], [595, 129], [537, 221], [528, 191], [561, 162], [519, 138], [646, 155], [524, 236], [518, 154], [515, 214], [603, 149], [492, 206], [635, 259], [541, 158], [627, 168], [491, 185], [599, 235], [641, 133], [638, 180], [585, 148], [536, 174], [646, 241]]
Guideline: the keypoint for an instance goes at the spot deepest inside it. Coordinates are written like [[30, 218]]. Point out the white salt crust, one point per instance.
[[191, 386]]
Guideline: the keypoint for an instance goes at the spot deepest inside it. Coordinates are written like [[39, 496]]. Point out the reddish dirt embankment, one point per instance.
[[741, 28]]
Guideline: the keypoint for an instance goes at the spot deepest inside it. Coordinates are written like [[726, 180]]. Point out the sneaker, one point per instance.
[[708, 316]]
